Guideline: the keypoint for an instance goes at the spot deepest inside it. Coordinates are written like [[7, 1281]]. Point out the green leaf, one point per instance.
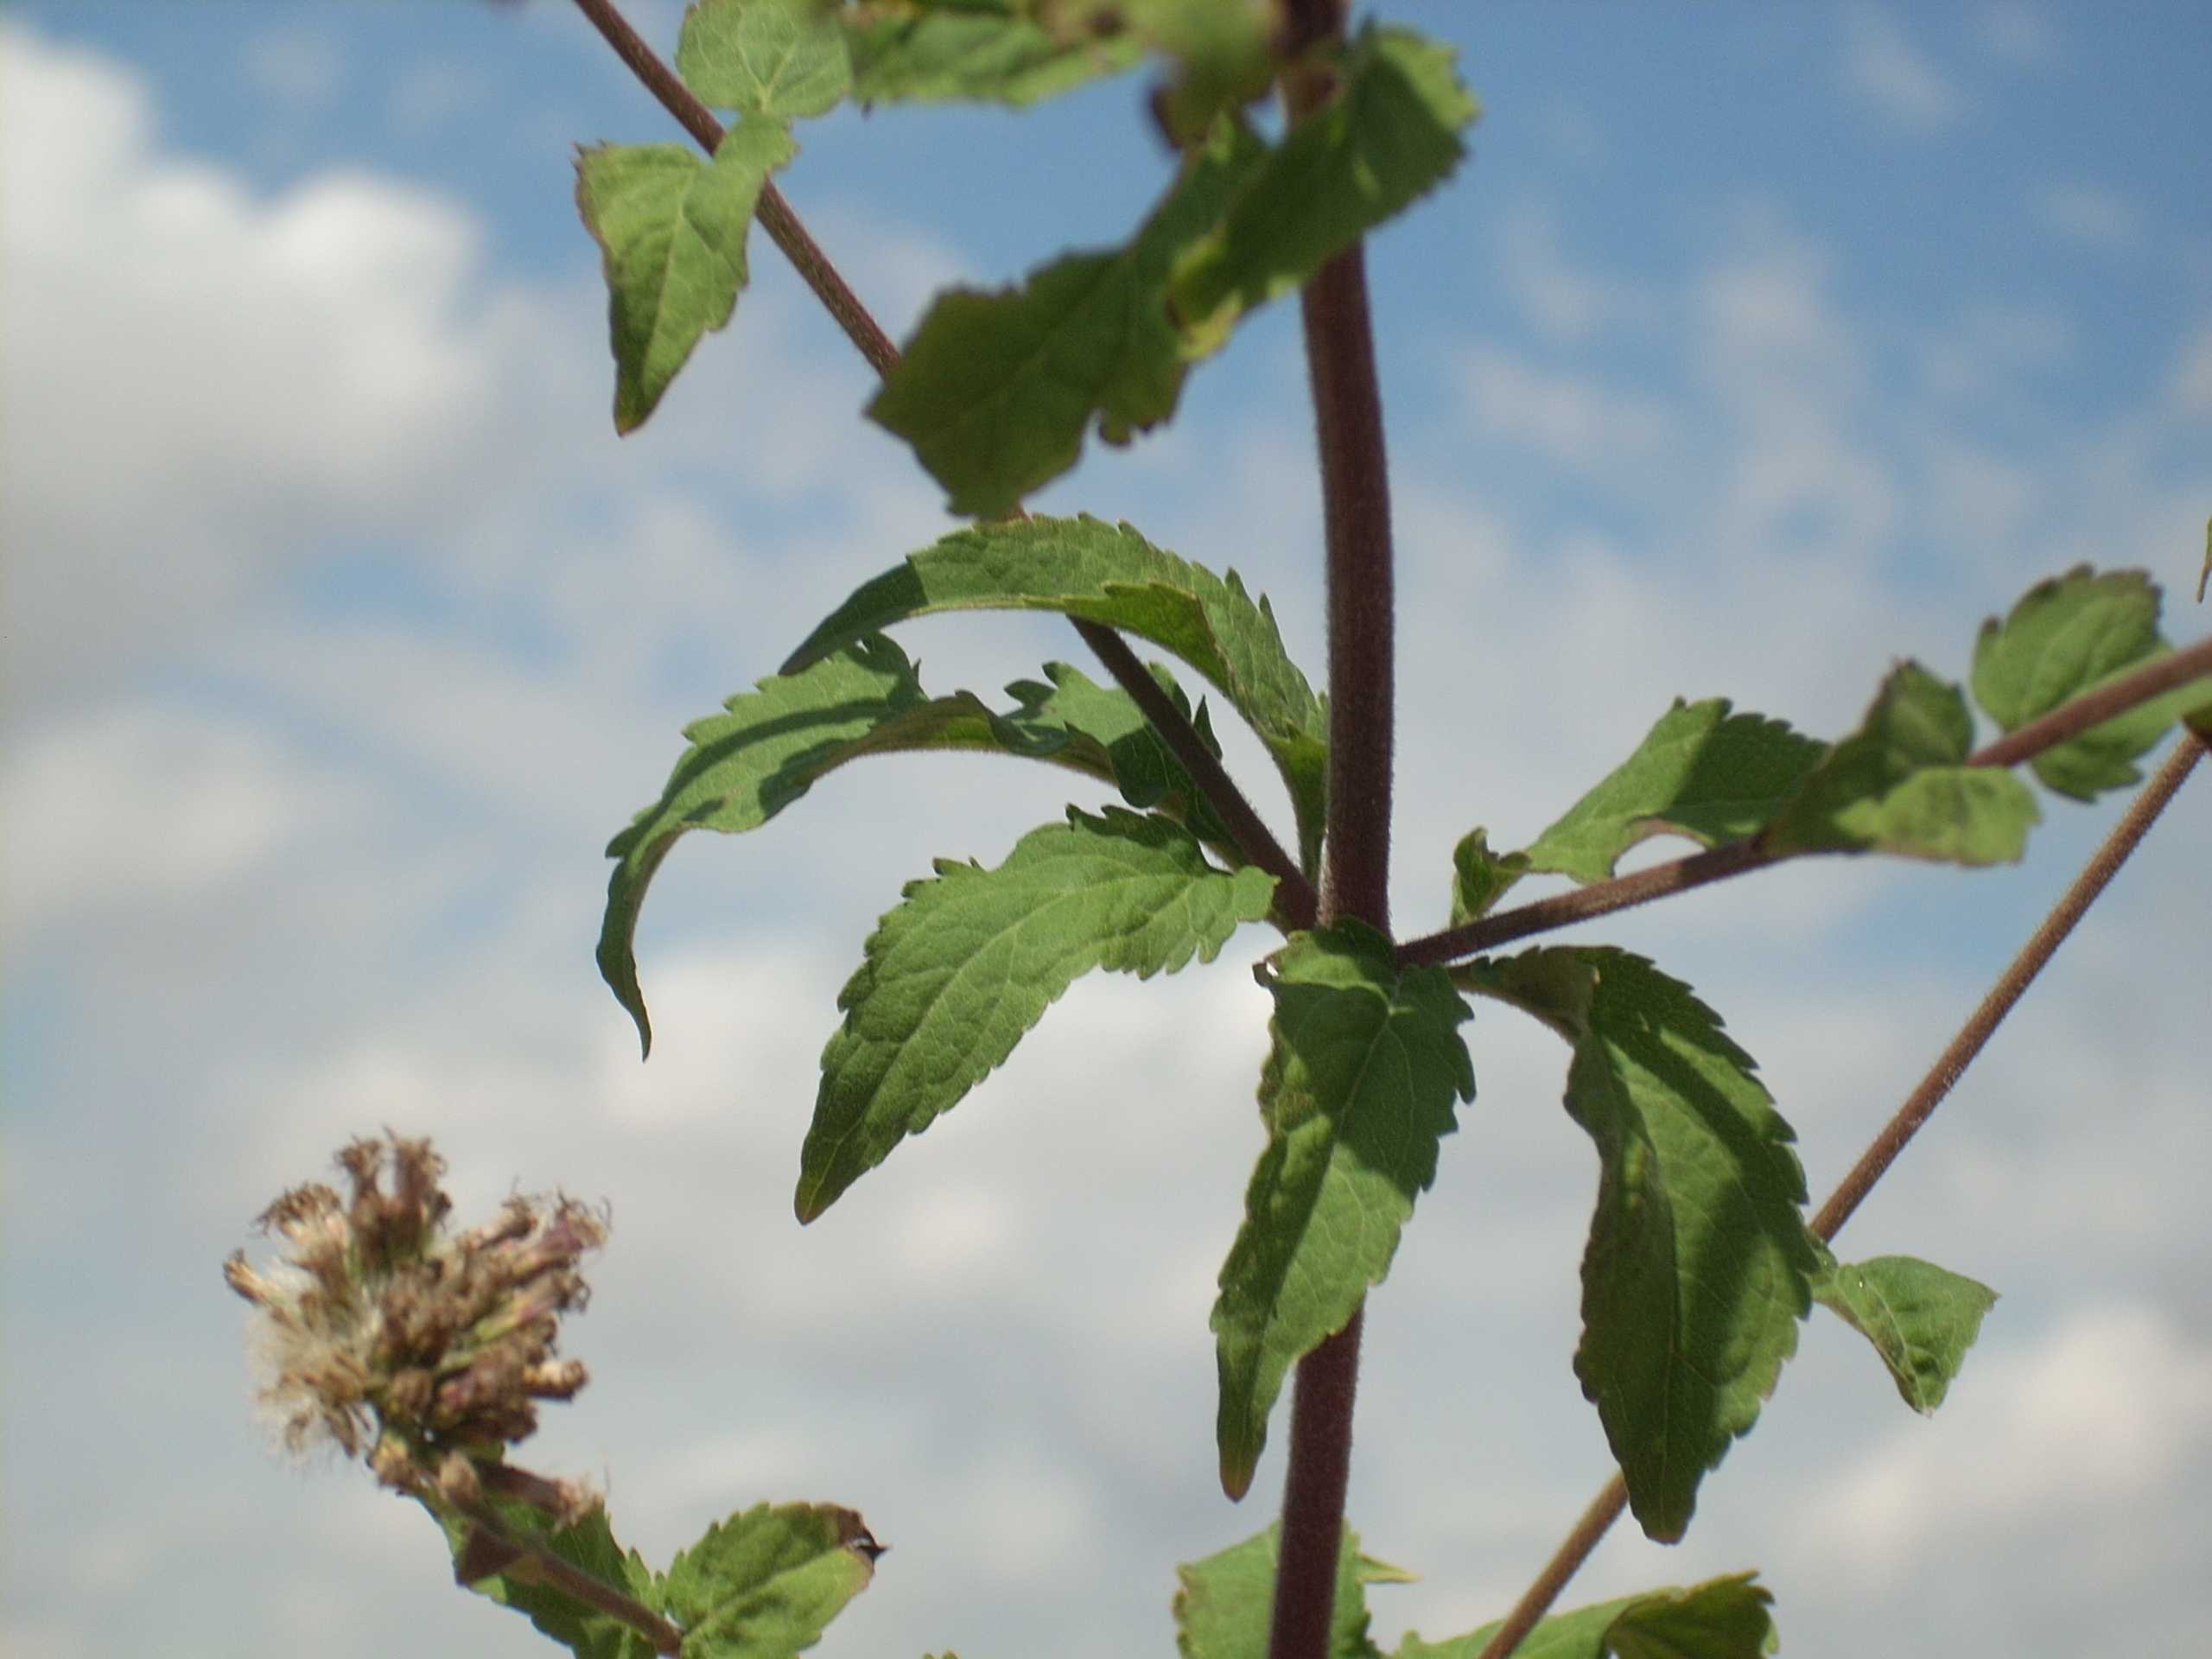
[[1390, 136], [996, 389], [1480, 877], [1897, 785], [1920, 1317], [1225, 1602], [1105, 572], [1143, 767], [969, 962], [1721, 1619], [1365, 1063], [1701, 772], [672, 233], [2068, 635], [764, 57], [1698, 1265], [989, 53], [590, 1545], [761, 1584]]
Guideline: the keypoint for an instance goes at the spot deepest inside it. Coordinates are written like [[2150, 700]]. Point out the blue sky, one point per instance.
[[1754, 347]]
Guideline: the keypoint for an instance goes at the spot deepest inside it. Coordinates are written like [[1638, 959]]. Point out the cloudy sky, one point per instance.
[[1755, 347]]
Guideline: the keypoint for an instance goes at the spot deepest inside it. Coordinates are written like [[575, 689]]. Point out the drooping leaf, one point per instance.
[[1390, 136], [1145, 769], [1105, 572], [1481, 877], [671, 232], [1701, 772], [1001, 53], [1364, 1066], [1225, 1602], [584, 1630], [1721, 1619], [764, 1583], [996, 389], [1896, 786], [1921, 1319], [2066, 636], [764, 57], [1698, 1265], [957, 974]]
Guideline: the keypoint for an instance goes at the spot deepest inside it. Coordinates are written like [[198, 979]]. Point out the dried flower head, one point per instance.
[[383, 1333]]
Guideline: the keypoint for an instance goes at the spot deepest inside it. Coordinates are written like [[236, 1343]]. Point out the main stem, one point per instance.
[[1356, 519]]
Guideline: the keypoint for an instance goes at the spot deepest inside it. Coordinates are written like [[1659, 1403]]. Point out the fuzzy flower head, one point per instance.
[[385, 1333]]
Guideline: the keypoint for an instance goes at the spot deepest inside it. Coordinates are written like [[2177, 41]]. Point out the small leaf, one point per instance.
[[1721, 1619], [1920, 1317], [1701, 772], [1225, 1602], [957, 974], [1145, 769], [671, 232], [589, 1544], [995, 390], [1105, 572], [1390, 136], [1480, 877], [1896, 786], [2068, 635], [1365, 1063], [1698, 1265], [764, 57], [764, 1583], [985, 53]]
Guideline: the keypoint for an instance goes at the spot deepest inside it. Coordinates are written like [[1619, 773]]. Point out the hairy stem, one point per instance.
[[2069, 720], [1918, 1107], [1356, 522], [1212, 780], [523, 1558]]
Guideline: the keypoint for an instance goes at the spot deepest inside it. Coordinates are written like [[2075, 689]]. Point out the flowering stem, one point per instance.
[[524, 1559]]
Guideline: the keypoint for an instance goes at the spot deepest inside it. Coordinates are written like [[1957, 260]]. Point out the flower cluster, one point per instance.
[[383, 1332]]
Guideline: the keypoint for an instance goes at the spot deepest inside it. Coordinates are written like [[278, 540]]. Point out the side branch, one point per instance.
[[783, 227], [1918, 1107]]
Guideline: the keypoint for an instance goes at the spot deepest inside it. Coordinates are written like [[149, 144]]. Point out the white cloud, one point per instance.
[[1980, 351], [2019, 34], [1882, 66], [1574, 419], [2189, 391], [1563, 300], [2092, 214]]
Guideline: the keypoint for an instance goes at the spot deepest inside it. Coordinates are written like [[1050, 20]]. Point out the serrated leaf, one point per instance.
[[1701, 772], [1896, 786], [1921, 1319], [996, 389], [1698, 1265], [1722, 1618], [584, 1630], [764, 57], [1480, 877], [1364, 1064], [2068, 635], [1145, 770], [1104, 573], [671, 232], [960, 971], [1224, 1603], [1390, 136], [986, 53], [763, 1584]]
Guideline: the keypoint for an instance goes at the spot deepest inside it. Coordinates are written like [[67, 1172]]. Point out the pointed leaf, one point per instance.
[[587, 1631], [1698, 1265], [1701, 772], [764, 57], [2066, 636], [996, 389], [987, 53], [1083, 568], [764, 1583], [1390, 136], [1920, 1317], [1896, 786], [672, 233], [1721, 1619], [968, 962], [1365, 1063], [1480, 877], [1145, 769], [1225, 1602]]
